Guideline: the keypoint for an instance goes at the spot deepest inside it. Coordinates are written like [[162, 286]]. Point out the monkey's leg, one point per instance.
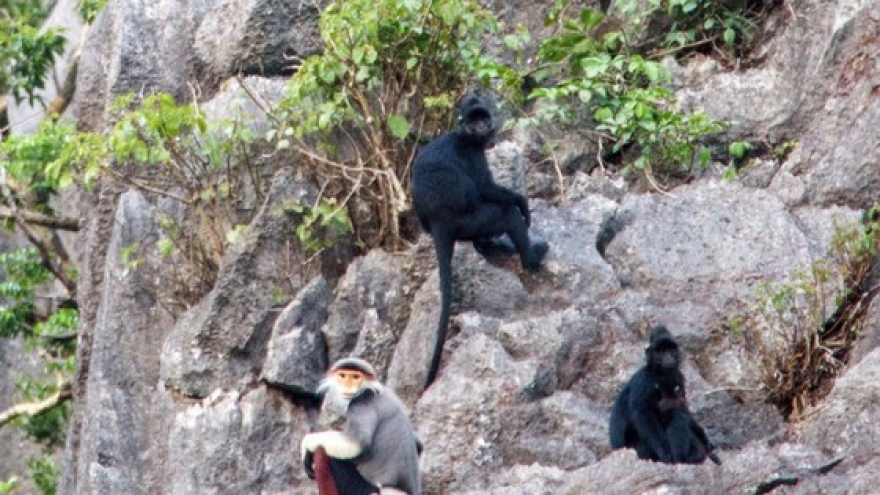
[[706, 447], [653, 438], [494, 219], [491, 247], [349, 480], [645, 452], [683, 445], [618, 424]]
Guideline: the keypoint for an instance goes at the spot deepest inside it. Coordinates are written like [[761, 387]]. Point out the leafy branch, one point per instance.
[[390, 72], [63, 394]]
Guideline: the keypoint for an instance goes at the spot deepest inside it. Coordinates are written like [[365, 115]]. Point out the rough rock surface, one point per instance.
[[216, 400], [223, 339]]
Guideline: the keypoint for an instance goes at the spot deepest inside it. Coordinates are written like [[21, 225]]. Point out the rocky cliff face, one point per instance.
[[213, 401]]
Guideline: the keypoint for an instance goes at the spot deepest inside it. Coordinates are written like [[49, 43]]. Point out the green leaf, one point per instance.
[[398, 126], [165, 246], [652, 71], [729, 36], [603, 115], [738, 149], [705, 156]]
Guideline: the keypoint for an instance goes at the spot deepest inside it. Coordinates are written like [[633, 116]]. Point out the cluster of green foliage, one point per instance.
[[45, 474], [173, 150], [28, 160], [736, 151], [803, 331], [725, 28], [26, 52], [318, 227], [170, 149], [24, 274], [625, 94], [390, 73], [8, 486], [89, 9]]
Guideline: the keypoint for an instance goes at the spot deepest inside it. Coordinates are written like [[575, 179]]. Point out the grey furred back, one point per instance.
[[379, 422]]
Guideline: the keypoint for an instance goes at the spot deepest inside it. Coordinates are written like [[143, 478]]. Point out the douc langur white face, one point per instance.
[[349, 382]]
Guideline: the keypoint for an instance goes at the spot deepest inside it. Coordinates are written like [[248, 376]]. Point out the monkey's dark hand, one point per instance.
[[308, 461], [523, 204]]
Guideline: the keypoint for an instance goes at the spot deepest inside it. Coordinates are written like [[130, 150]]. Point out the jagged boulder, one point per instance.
[[262, 37], [816, 88], [123, 409], [222, 341], [296, 356], [234, 442], [187, 48]]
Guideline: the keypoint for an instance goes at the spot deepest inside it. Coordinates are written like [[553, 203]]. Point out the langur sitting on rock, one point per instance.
[[377, 452]]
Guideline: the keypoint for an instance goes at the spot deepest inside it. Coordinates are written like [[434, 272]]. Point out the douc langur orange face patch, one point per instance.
[[349, 381]]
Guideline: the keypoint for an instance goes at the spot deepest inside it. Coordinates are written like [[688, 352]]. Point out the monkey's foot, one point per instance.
[[537, 251], [490, 247]]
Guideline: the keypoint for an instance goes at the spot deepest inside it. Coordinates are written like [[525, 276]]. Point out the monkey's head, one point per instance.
[[348, 377], [662, 352], [477, 117]]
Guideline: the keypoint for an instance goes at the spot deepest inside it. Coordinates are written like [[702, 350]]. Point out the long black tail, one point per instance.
[[444, 245]]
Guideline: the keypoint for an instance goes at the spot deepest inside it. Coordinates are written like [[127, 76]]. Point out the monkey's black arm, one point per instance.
[[494, 193], [619, 420], [646, 423], [308, 464], [650, 433], [703, 438]]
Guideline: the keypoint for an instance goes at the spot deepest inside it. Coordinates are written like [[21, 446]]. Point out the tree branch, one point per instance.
[[48, 221], [63, 394]]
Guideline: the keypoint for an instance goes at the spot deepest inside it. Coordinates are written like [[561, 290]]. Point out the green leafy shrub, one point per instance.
[[320, 225], [8, 486], [389, 75], [89, 9], [48, 427], [803, 331], [45, 474], [26, 52], [26, 55], [625, 95], [172, 150], [23, 272], [724, 28], [30, 162]]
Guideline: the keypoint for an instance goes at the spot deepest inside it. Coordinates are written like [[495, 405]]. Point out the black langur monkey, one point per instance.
[[456, 199], [651, 413], [378, 452]]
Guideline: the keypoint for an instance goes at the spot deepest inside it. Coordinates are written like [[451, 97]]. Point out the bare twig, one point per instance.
[[42, 220]]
